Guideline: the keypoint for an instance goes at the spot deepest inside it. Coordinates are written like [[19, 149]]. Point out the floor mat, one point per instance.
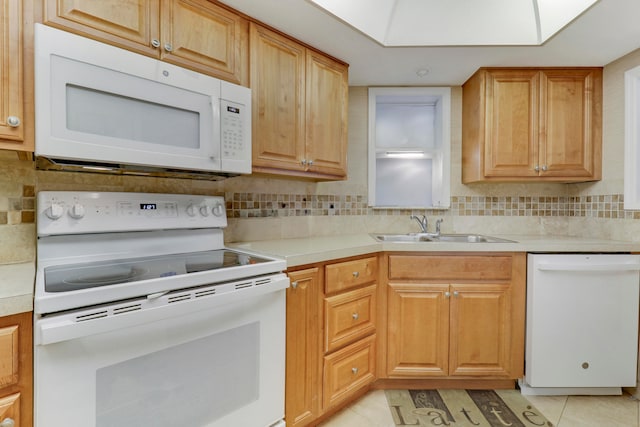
[[462, 408]]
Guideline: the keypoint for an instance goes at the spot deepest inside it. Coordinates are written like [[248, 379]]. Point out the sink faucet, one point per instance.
[[422, 220], [438, 222]]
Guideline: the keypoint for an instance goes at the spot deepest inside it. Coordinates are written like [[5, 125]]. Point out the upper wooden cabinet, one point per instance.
[[16, 75], [197, 34], [524, 124], [300, 100]]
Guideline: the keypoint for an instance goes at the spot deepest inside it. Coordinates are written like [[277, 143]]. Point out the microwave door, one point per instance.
[[116, 117], [123, 108]]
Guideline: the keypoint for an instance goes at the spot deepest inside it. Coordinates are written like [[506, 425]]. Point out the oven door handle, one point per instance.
[[73, 325]]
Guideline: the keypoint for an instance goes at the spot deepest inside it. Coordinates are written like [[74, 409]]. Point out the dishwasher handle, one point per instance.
[[588, 267]]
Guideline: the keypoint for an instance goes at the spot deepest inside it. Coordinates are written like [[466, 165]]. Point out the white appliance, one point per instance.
[[101, 108], [144, 318], [582, 323]]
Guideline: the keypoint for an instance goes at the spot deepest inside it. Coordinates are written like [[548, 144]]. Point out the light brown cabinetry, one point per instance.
[[303, 386], [331, 340], [299, 100], [455, 315], [16, 370], [197, 34], [528, 124], [16, 75], [349, 328]]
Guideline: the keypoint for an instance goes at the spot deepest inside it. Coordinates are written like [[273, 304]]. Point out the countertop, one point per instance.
[[317, 249], [17, 280], [16, 288]]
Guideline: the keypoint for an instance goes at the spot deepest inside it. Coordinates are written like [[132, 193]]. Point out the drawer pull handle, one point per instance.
[[355, 316], [294, 285], [356, 274], [7, 422], [355, 371]]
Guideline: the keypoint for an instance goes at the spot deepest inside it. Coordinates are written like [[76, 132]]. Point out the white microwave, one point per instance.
[[104, 109]]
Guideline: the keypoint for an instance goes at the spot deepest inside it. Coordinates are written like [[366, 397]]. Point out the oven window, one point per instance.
[[192, 384]]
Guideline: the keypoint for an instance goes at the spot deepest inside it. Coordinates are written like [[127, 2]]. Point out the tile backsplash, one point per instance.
[[18, 209], [251, 205]]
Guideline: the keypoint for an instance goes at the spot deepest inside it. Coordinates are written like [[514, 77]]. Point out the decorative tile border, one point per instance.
[[249, 205], [21, 209], [18, 209]]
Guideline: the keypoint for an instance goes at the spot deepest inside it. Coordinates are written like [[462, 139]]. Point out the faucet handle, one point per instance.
[[438, 222]]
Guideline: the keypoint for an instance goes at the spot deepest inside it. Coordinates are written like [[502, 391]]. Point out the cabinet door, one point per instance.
[[304, 335], [511, 135], [11, 74], [10, 410], [570, 128], [277, 88], [326, 115], [16, 369], [417, 330], [130, 24], [480, 322], [208, 38]]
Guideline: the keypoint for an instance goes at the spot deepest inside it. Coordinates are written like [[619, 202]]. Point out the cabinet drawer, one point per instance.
[[461, 267], [349, 316], [350, 274], [348, 370]]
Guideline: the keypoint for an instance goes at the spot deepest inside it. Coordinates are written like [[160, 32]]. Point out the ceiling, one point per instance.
[[604, 32], [457, 22]]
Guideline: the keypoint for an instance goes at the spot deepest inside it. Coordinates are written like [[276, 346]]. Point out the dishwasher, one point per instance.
[[582, 324]]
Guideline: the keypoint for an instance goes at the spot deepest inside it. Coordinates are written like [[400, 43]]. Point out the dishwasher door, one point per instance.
[[582, 322]]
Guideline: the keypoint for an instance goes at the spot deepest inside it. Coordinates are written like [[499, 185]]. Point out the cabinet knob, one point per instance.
[[303, 162], [355, 371], [155, 43], [544, 168], [356, 274], [294, 285], [355, 316], [536, 168], [455, 293], [7, 422], [310, 162], [447, 294], [13, 121], [168, 47]]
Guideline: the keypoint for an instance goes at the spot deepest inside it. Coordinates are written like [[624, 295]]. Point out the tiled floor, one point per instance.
[[562, 411]]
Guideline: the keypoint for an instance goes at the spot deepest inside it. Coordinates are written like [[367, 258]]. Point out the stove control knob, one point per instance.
[[77, 211], [204, 210], [191, 210], [218, 209], [55, 211]]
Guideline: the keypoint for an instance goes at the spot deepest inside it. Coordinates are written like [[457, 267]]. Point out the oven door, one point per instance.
[[216, 360]]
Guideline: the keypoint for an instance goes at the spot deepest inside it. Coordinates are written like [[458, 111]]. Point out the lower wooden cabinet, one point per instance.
[[16, 370], [461, 317], [331, 340], [397, 318], [348, 370], [304, 337]]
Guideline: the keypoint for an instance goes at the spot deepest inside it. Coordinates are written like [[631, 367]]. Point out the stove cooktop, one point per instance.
[[73, 277]]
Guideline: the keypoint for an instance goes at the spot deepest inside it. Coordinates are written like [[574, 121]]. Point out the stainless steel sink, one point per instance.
[[427, 237], [412, 237]]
